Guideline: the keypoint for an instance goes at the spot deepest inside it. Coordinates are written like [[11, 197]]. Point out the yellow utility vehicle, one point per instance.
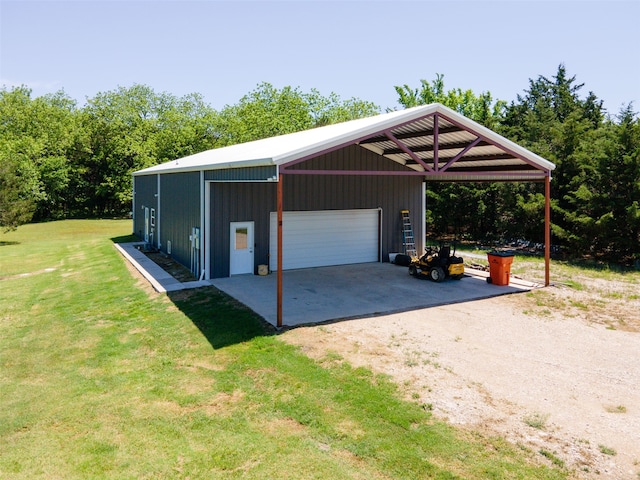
[[437, 264]]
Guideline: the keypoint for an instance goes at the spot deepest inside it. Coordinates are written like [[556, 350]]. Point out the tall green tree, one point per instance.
[[120, 126], [553, 120], [267, 111], [185, 126], [481, 108], [262, 113], [132, 128], [327, 110], [35, 136], [19, 182], [605, 213], [16, 207]]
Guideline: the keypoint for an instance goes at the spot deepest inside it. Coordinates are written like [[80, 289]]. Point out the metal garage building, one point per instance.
[[326, 196]]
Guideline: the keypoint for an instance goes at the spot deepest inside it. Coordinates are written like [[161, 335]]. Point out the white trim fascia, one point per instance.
[[176, 168], [202, 225], [158, 217], [207, 229], [133, 206]]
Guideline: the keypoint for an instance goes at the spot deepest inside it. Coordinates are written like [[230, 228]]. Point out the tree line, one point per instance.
[[60, 160], [595, 191]]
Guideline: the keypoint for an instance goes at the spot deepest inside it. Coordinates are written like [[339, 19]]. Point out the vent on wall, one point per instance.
[[168, 247]]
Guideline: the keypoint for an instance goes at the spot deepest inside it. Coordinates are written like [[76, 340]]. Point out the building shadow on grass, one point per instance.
[[222, 320], [125, 238], [6, 244]]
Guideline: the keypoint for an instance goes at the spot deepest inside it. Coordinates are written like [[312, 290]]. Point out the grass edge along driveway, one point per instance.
[[101, 378]]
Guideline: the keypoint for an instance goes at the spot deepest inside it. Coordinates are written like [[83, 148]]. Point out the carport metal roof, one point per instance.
[[432, 140]]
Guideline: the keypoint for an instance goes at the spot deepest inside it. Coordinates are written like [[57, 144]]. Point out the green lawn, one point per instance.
[[101, 379]]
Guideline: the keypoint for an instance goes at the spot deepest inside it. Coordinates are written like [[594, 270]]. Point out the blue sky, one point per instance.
[[361, 49]]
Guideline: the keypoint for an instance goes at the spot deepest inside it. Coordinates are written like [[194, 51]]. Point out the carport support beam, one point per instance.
[[279, 266], [547, 228]]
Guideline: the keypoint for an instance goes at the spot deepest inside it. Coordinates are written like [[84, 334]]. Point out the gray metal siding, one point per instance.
[[145, 189], [240, 202], [180, 212], [235, 202], [250, 174]]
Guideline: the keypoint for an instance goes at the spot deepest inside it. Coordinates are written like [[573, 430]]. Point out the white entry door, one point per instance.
[[241, 248]]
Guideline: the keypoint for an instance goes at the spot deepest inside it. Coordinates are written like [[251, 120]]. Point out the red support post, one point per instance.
[[547, 228], [279, 274], [436, 143]]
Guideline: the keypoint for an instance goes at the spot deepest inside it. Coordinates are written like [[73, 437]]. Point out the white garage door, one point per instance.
[[323, 238]]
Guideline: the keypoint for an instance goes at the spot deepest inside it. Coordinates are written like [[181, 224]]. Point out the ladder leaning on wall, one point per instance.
[[408, 241]]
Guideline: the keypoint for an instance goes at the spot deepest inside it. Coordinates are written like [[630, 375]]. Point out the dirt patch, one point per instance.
[[550, 370], [613, 305], [29, 274]]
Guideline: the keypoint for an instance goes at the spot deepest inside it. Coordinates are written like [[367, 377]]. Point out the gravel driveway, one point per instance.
[[556, 383]]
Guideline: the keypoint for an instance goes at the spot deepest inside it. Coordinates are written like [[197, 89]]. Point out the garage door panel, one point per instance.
[[329, 237]]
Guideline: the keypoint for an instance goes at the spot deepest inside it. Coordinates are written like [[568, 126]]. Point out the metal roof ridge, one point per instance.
[[291, 147], [190, 163]]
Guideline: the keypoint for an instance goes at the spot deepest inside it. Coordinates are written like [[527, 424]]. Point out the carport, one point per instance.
[[337, 189], [432, 142]]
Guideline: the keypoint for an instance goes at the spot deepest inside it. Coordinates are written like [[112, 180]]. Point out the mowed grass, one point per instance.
[[100, 378]]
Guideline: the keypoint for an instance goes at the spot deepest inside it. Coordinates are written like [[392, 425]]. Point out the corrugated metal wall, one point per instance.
[[249, 174], [180, 212], [235, 202], [145, 189], [239, 202], [391, 193]]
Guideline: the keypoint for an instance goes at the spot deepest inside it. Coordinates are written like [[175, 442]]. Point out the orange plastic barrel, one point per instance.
[[499, 268]]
